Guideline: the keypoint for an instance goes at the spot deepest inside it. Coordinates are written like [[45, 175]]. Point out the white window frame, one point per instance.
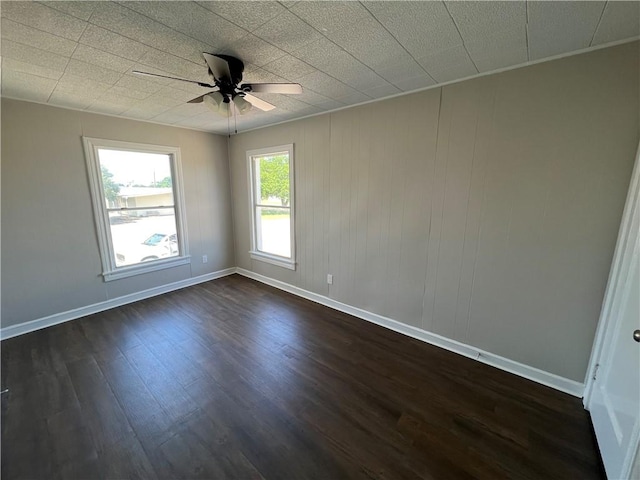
[[101, 215], [256, 254]]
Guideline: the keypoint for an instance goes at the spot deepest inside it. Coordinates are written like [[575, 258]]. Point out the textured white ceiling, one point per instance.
[[80, 54]]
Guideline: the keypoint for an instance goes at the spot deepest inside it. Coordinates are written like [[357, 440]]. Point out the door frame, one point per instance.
[[615, 287]]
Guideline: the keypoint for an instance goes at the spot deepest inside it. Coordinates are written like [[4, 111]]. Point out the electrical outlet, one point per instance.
[[329, 279], [204, 259]]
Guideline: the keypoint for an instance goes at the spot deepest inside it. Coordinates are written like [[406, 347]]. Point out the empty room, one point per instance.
[[320, 240]]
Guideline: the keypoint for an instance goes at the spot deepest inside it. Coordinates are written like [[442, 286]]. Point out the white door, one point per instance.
[[613, 397]]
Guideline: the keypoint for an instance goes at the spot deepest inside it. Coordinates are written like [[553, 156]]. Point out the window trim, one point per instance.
[[254, 253], [101, 215]]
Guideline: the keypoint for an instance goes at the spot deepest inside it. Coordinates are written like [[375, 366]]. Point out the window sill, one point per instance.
[[273, 259], [124, 272]]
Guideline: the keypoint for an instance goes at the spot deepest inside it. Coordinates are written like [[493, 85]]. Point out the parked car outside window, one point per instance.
[[157, 246]]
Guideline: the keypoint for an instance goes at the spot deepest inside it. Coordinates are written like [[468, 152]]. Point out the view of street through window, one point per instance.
[[138, 194], [142, 239]]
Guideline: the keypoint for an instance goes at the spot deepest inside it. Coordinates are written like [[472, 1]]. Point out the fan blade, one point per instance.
[[258, 103], [202, 84], [289, 88], [218, 66], [199, 99]]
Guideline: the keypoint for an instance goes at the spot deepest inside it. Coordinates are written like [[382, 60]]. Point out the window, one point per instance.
[[272, 213], [138, 205]]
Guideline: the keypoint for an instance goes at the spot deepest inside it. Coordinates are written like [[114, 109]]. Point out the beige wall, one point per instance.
[[50, 258], [484, 211]]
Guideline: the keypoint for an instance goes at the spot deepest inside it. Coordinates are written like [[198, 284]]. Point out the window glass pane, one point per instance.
[[273, 230], [135, 179], [143, 235], [272, 179]]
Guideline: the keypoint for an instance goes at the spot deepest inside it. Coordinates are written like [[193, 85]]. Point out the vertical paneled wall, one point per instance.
[[382, 159], [484, 211]]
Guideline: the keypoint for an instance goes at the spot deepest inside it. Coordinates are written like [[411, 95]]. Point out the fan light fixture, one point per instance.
[[241, 104], [216, 102]]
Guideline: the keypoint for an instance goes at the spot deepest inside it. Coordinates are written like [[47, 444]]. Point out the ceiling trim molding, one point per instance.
[[443, 84]]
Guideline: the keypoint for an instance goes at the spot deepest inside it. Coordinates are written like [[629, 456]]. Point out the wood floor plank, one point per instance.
[[202, 449], [163, 386], [145, 415], [126, 459], [25, 439], [74, 453], [179, 367], [234, 379], [277, 446], [101, 410]]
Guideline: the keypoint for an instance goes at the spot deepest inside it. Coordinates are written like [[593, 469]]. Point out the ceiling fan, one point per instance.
[[226, 72]]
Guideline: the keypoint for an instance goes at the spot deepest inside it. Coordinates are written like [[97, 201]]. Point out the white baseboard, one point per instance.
[[540, 376], [26, 327]]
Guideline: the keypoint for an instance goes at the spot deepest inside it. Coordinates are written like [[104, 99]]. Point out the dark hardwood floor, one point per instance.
[[235, 379]]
